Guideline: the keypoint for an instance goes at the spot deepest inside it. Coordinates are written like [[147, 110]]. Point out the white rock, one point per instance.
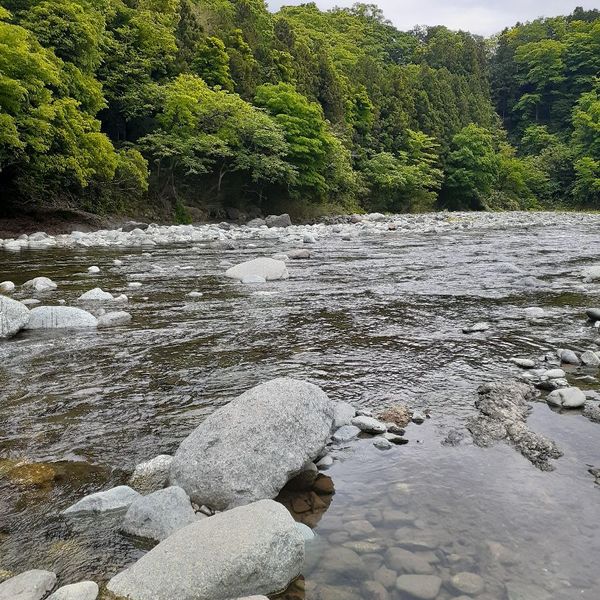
[[534, 312], [298, 254], [151, 475], [382, 444], [569, 357], [97, 294], [34, 301], [325, 462], [590, 359], [524, 363], [85, 590], [195, 294], [570, 397], [117, 262], [553, 374], [117, 498], [94, 269], [309, 238], [40, 284], [253, 279], [6, 287], [267, 268], [159, 514], [369, 425], [13, 317], [591, 273], [113, 319], [60, 317], [134, 284], [343, 413], [285, 424], [345, 433], [253, 549], [30, 585]]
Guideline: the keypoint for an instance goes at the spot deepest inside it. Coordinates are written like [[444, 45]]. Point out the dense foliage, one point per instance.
[[120, 105]]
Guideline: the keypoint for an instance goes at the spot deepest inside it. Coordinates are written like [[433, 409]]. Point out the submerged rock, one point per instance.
[[569, 357], [60, 317], [13, 317], [159, 514], [253, 549], [97, 294], [503, 410], [266, 268], [477, 327], [30, 585], [151, 475], [369, 425], [285, 424], [399, 414], [345, 433], [113, 319], [570, 397], [85, 590], [468, 583], [424, 587], [117, 498], [40, 284]]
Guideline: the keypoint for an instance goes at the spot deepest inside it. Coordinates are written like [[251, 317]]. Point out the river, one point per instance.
[[371, 319]]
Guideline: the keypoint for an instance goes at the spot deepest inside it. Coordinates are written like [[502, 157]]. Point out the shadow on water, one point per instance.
[[370, 319]]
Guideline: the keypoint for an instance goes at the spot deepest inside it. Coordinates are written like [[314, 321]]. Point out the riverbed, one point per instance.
[[373, 318]]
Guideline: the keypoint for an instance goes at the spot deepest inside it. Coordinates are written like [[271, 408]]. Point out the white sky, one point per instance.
[[484, 17]]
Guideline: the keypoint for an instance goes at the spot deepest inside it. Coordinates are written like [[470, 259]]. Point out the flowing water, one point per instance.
[[371, 320]]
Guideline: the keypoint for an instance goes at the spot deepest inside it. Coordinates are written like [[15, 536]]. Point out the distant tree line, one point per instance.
[[121, 105]]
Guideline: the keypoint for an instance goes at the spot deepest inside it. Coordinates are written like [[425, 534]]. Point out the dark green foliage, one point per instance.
[[109, 104]]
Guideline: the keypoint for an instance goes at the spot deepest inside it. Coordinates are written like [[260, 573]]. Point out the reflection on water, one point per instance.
[[370, 319]]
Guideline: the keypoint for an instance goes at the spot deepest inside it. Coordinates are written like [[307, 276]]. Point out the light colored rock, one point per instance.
[[117, 262], [590, 359], [113, 319], [253, 549], [117, 498], [93, 269], [134, 284], [151, 475], [60, 317], [534, 312], [554, 374], [477, 327], [159, 514], [524, 363], [309, 238], [418, 417], [382, 444], [40, 284], [424, 587], [305, 531], [373, 590], [33, 301], [13, 317], [195, 294], [286, 423], [591, 273], [6, 287], [97, 294], [343, 413], [570, 397], [298, 254], [30, 585], [325, 462], [253, 279], [278, 221], [85, 590], [406, 561], [369, 425], [345, 433], [569, 357], [267, 268], [468, 583]]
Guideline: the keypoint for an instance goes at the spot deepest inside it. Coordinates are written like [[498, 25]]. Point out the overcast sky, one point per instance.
[[477, 16]]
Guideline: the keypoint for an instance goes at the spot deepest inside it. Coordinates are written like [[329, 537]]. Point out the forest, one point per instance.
[[186, 107]]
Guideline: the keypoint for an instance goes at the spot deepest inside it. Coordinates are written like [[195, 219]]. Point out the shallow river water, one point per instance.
[[371, 320]]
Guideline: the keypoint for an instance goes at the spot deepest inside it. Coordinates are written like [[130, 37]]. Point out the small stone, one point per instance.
[[418, 418], [570, 397], [387, 577], [94, 269], [40, 284], [85, 590], [118, 498], [524, 363], [423, 587], [151, 475], [534, 312], [468, 583], [309, 238], [134, 284], [369, 425], [399, 414], [395, 429], [323, 485], [554, 374], [382, 444], [373, 590], [325, 462], [405, 561], [248, 279], [359, 528], [117, 262], [298, 254], [97, 294], [194, 294], [569, 357], [395, 439], [6, 287], [113, 319], [30, 585], [343, 413], [477, 327], [593, 314], [590, 359], [345, 433]]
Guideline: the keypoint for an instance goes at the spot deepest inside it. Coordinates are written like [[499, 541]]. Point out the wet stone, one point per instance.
[[405, 561], [343, 562], [373, 590], [357, 529], [387, 577], [424, 587], [346, 433], [468, 583]]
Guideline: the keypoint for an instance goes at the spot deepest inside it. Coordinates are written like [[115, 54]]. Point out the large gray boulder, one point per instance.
[[13, 317], [60, 317], [31, 585], [249, 449], [267, 268], [254, 549], [159, 514], [84, 590]]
